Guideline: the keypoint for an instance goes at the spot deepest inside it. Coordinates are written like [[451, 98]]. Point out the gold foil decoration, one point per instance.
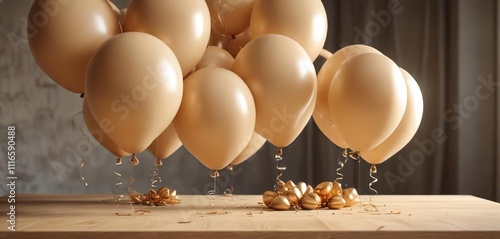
[[301, 195], [162, 197]]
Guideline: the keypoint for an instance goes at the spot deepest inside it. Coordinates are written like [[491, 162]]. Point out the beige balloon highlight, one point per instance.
[[217, 116], [321, 114], [367, 100], [256, 143], [166, 144], [63, 36], [406, 129], [216, 57], [183, 25], [134, 89], [305, 21], [230, 17], [283, 82], [98, 134]]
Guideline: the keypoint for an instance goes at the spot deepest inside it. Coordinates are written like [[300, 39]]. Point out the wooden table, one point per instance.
[[98, 216]]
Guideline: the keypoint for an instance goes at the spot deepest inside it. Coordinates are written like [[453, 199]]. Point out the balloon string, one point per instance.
[[213, 192], [373, 170], [229, 191], [340, 176], [356, 156], [118, 181], [82, 158], [279, 157], [154, 177], [133, 162]]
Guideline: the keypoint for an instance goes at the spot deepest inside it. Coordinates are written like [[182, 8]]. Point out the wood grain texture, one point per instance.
[[95, 216]]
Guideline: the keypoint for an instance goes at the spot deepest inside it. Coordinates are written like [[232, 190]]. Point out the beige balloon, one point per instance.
[[134, 89], [256, 143], [230, 17], [406, 129], [63, 36], [367, 100], [283, 82], [304, 21], [183, 25], [98, 134], [166, 144], [217, 116], [321, 114], [216, 57]]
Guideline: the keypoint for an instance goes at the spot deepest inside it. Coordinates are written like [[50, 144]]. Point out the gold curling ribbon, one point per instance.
[[373, 170], [82, 164], [279, 157], [341, 163]]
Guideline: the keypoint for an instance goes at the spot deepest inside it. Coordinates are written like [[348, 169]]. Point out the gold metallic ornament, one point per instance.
[[336, 202], [267, 197], [293, 195], [350, 196], [336, 189], [289, 184], [310, 201], [302, 187], [324, 188], [280, 202], [309, 189]]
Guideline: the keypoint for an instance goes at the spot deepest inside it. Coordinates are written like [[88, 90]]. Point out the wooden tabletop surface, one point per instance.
[[240, 216]]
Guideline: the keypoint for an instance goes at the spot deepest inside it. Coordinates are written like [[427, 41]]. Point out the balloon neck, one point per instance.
[[134, 161], [118, 161], [354, 155], [214, 174], [280, 152], [345, 152], [373, 168], [82, 95], [230, 167], [158, 162]]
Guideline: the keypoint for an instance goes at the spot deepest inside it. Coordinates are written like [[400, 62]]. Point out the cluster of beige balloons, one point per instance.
[[217, 76], [367, 103]]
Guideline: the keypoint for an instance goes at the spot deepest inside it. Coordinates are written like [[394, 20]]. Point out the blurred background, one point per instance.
[[450, 47]]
